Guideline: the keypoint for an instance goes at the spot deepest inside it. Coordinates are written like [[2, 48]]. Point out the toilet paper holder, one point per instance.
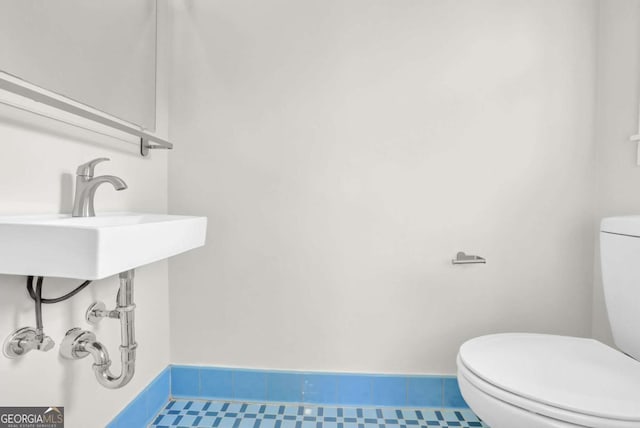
[[465, 259]]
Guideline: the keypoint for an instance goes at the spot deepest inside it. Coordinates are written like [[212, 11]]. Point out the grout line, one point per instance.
[[406, 391], [170, 381], [233, 383]]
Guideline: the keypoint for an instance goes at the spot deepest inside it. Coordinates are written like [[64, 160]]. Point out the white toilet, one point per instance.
[[521, 380]]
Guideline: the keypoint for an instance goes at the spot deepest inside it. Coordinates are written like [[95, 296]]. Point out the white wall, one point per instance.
[[37, 166], [345, 151], [618, 176]]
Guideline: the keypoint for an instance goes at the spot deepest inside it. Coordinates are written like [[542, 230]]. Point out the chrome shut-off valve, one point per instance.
[[25, 340], [97, 311]]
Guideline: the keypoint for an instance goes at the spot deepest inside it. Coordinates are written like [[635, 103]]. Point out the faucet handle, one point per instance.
[[86, 169]]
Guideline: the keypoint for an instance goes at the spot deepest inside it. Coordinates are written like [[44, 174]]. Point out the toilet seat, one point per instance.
[[575, 380], [537, 415]]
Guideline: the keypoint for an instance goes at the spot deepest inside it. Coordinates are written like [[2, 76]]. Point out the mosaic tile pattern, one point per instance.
[[224, 414]]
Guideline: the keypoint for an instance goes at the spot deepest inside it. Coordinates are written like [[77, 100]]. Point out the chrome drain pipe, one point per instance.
[[79, 343]]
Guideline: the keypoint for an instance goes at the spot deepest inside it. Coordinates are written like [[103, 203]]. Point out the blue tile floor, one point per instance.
[[224, 414]]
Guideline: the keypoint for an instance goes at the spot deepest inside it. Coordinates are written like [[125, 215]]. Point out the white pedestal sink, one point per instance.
[[93, 247]]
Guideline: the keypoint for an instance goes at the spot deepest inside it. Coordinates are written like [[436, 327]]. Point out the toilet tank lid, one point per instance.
[[570, 373], [624, 225]]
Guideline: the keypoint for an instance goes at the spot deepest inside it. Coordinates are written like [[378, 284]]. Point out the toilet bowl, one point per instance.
[[523, 380]]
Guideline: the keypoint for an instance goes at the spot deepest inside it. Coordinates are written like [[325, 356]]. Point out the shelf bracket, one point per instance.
[[146, 145]]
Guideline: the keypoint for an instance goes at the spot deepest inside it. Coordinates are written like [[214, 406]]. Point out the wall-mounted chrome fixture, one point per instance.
[[464, 259], [26, 339], [86, 186], [14, 85], [79, 343]]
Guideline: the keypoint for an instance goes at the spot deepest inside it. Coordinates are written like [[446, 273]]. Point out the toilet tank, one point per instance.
[[620, 258]]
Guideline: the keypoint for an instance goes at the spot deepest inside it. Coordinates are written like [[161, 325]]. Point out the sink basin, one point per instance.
[[93, 247]]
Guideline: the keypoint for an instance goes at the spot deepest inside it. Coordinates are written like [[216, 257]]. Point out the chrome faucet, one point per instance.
[[86, 185]]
